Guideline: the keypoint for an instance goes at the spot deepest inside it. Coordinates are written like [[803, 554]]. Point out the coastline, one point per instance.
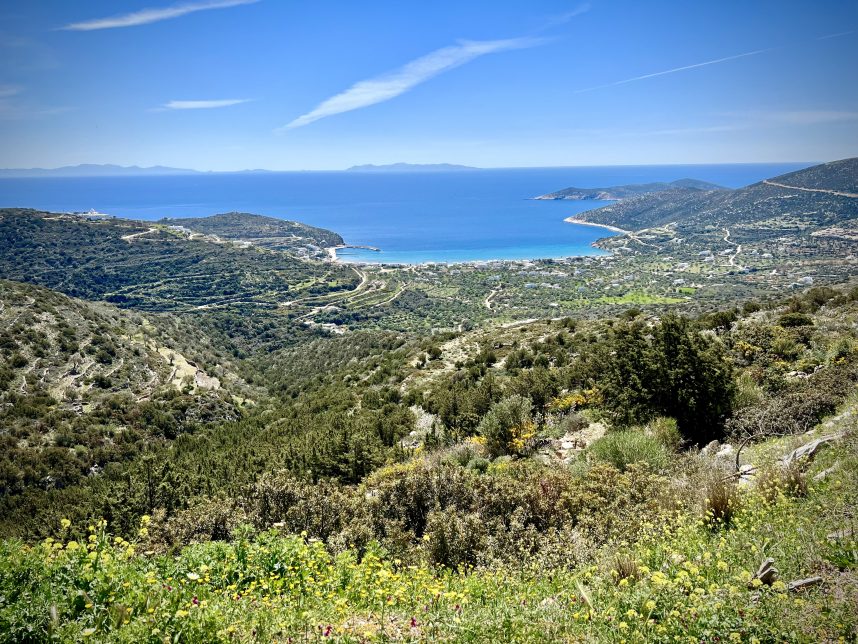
[[332, 250], [573, 220], [333, 257]]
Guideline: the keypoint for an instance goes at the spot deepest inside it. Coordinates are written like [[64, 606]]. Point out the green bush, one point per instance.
[[506, 425], [623, 448], [665, 431], [794, 319]]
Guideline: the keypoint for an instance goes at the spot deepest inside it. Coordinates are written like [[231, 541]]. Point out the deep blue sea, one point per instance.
[[411, 217]]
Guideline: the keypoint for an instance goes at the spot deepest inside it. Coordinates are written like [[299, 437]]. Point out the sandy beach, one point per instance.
[[573, 220]]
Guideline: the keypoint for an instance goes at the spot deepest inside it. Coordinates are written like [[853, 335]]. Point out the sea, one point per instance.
[[410, 217]]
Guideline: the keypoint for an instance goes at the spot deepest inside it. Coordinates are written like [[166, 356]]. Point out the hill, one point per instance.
[[778, 206], [85, 385], [93, 170], [615, 193], [152, 266], [547, 498], [265, 232]]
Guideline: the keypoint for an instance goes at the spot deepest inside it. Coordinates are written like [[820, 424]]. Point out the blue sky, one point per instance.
[[289, 85]]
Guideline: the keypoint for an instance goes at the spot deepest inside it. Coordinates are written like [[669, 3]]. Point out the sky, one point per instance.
[[322, 85]]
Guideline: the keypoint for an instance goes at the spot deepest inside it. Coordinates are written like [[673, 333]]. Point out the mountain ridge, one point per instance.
[[616, 193], [770, 207], [94, 170], [411, 167]]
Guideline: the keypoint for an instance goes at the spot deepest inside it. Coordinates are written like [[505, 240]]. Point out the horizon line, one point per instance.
[[169, 170]]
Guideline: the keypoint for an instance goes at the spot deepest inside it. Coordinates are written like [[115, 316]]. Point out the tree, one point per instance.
[[677, 372]]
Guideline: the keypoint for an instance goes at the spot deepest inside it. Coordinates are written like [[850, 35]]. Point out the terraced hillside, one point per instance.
[[153, 267], [781, 206], [265, 232], [85, 384]]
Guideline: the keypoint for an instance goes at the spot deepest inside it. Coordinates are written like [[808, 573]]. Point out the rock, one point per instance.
[[809, 450], [726, 451], [826, 473], [801, 584], [710, 449], [767, 573]]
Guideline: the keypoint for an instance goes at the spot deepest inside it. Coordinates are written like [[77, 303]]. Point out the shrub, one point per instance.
[[624, 567], [506, 426], [454, 540], [622, 448], [665, 431], [722, 502], [788, 320]]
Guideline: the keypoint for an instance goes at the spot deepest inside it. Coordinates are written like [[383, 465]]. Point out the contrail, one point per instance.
[[678, 69]]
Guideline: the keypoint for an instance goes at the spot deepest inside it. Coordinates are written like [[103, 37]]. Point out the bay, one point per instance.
[[411, 217]]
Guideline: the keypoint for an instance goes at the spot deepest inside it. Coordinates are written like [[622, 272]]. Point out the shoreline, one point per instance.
[[332, 250], [572, 220]]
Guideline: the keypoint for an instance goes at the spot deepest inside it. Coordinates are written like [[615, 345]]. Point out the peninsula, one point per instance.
[[616, 193]]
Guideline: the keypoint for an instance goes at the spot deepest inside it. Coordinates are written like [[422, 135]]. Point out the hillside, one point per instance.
[[616, 193], [839, 176], [226, 442], [84, 385], [152, 267], [265, 232], [767, 209], [529, 492]]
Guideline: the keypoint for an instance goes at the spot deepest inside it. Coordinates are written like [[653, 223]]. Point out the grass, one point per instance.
[[622, 448], [683, 580]]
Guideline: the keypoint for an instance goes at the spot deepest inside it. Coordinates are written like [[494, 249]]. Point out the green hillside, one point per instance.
[[209, 436], [152, 267], [266, 232], [766, 209], [632, 190]]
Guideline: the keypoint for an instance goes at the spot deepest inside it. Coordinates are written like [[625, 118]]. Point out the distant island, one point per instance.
[[93, 170], [616, 193], [411, 167]]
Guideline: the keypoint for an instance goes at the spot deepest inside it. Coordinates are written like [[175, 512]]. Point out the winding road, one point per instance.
[[851, 195]]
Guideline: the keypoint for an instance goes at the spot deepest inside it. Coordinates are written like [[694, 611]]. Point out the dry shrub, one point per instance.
[[624, 567], [722, 502]]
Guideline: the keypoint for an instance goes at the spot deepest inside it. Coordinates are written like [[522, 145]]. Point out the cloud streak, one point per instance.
[[796, 117], [677, 69], [383, 88], [7, 91], [203, 105], [146, 16]]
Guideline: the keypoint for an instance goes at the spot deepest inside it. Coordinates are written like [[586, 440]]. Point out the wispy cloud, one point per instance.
[[7, 91], [563, 18], [203, 105], [684, 131], [146, 16], [795, 117], [838, 34], [677, 69], [383, 88]]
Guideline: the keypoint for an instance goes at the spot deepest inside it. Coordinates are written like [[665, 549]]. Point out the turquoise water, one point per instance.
[[413, 218]]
